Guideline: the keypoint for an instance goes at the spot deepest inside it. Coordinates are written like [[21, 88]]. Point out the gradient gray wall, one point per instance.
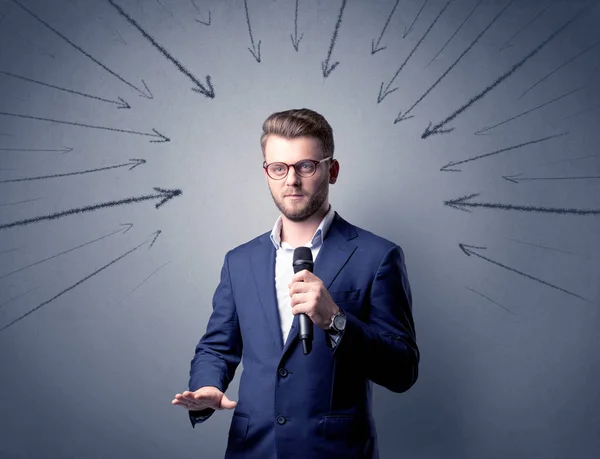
[[103, 296]]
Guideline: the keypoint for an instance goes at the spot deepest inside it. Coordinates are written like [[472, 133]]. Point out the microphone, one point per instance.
[[303, 259]]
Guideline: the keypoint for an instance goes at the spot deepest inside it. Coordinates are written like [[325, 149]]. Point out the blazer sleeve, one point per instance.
[[384, 346], [219, 351]]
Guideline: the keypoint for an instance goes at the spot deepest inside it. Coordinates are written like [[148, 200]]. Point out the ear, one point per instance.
[[334, 170]]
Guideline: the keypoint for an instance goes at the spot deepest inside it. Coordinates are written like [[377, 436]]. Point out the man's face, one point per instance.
[[298, 198]]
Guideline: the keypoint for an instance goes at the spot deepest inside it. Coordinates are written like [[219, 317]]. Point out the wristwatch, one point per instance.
[[338, 323]]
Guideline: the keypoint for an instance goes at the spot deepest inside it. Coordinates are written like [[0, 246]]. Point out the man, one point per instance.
[[292, 404]]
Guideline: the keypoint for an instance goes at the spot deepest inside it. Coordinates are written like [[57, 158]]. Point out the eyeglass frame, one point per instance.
[[316, 163]]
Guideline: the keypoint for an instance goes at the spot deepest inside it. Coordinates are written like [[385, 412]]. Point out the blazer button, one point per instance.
[[281, 420], [283, 372]]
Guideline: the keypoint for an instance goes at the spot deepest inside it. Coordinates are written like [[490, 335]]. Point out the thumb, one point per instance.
[[227, 404]]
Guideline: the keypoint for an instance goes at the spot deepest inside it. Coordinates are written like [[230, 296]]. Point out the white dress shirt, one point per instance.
[[284, 255]]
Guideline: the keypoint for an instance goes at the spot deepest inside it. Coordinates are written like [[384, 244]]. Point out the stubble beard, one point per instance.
[[300, 213]]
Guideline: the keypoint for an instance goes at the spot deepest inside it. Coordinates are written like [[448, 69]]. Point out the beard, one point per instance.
[[301, 211]]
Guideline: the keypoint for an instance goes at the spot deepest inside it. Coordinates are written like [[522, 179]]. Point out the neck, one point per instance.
[[299, 233]]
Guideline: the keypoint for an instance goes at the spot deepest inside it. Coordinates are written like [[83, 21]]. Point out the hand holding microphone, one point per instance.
[[310, 299]]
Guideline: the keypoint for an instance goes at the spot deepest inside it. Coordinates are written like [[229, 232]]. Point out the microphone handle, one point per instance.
[[305, 334]]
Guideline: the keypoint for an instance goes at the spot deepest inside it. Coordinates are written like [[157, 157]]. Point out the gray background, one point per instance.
[[509, 360]]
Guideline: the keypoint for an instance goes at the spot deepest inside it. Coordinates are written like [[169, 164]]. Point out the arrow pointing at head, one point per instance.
[[119, 103], [375, 47], [464, 201], [325, 64], [134, 164], [446, 168], [470, 250], [72, 286], [384, 92], [253, 51], [156, 133], [511, 178], [129, 225], [89, 56], [210, 93], [439, 128], [295, 39], [163, 194]]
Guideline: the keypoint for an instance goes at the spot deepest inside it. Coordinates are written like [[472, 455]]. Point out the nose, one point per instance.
[[292, 178]]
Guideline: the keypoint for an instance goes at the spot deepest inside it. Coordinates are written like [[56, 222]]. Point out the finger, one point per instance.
[[299, 287], [227, 404], [181, 403], [302, 276], [302, 308], [298, 299]]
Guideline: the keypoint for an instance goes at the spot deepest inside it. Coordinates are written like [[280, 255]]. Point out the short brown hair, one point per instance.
[[299, 123]]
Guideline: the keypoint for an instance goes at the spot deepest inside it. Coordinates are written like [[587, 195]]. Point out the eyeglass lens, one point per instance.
[[280, 170]]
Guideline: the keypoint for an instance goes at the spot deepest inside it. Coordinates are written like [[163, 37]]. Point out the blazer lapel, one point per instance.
[[263, 269], [336, 250]]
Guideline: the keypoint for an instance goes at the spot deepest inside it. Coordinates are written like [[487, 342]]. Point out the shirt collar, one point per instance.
[[318, 236]]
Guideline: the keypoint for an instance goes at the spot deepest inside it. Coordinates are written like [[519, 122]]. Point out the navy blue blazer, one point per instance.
[[292, 405]]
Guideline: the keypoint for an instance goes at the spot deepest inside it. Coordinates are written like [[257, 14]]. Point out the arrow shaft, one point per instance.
[[416, 17], [80, 210], [455, 63], [27, 149], [65, 174], [528, 24], [527, 275], [418, 43], [552, 210], [248, 22], [561, 178], [335, 33], [162, 50], [509, 73], [71, 287], [57, 255], [89, 56], [386, 23], [296, 22], [533, 109], [455, 32], [549, 74], [514, 147], [59, 88], [76, 124]]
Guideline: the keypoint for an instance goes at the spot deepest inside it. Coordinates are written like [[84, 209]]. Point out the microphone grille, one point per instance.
[[303, 253]]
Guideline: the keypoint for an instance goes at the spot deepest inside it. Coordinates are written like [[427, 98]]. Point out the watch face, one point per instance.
[[339, 322]]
